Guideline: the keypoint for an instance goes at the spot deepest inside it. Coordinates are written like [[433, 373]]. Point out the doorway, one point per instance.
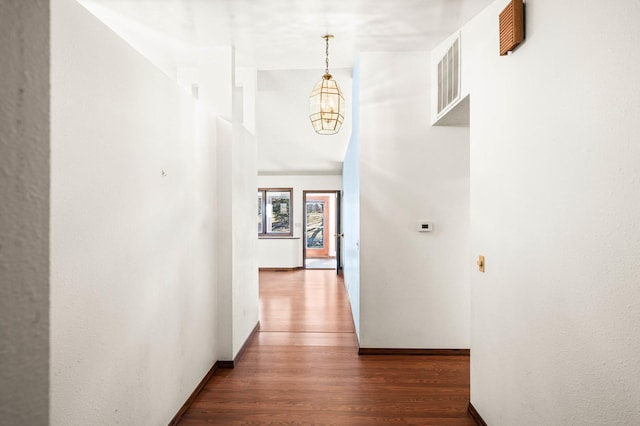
[[321, 224]]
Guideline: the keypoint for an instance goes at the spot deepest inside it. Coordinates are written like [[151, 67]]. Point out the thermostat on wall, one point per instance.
[[425, 226]]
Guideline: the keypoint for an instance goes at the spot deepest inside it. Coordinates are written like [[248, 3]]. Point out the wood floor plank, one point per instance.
[[303, 368], [276, 338]]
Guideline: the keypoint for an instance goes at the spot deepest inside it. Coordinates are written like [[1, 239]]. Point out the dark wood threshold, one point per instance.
[[296, 268], [210, 373], [423, 352], [193, 396], [476, 416]]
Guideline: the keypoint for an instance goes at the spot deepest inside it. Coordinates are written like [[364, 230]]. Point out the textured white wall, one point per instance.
[[351, 205], [133, 293], [555, 209], [288, 253], [224, 237], [218, 93], [24, 212], [414, 287], [245, 239], [237, 240]]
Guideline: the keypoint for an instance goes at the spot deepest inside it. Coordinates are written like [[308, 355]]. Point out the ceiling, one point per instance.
[[272, 35]]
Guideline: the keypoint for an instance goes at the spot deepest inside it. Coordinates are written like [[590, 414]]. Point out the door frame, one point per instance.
[[328, 224], [337, 220]]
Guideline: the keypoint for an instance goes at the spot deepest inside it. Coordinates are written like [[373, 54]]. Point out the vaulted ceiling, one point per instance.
[[272, 35]]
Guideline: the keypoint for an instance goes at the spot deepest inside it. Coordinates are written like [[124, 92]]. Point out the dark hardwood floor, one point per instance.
[[302, 368]]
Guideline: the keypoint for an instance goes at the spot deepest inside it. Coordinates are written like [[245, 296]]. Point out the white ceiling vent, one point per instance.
[[449, 77]]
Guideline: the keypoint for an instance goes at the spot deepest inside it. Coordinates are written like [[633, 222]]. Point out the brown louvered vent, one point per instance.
[[511, 26]]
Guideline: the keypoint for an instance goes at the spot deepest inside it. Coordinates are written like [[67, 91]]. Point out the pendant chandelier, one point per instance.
[[326, 103]]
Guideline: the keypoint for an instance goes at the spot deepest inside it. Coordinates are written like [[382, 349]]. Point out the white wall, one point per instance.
[[414, 287], [351, 206], [283, 125], [237, 243], [333, 207], [280, 252], [224, 236], [554, 208], [247, 78], [133, 293], [24, 212], [287, 253], [245, 239]]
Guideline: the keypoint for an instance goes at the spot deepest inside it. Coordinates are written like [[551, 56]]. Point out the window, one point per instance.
[[315, 224], [274, 212]]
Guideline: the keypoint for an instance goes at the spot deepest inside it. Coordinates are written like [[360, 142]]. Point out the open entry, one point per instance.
[[321, 236]]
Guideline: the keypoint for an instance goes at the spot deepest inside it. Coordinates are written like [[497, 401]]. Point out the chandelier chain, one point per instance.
[[326, 103], [327, 56]]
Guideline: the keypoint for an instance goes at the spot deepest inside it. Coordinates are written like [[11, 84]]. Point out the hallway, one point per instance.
[[302, 367]]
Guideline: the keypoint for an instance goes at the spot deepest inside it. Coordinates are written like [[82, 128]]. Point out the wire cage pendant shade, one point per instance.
[[326, 103], [326, 106]]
